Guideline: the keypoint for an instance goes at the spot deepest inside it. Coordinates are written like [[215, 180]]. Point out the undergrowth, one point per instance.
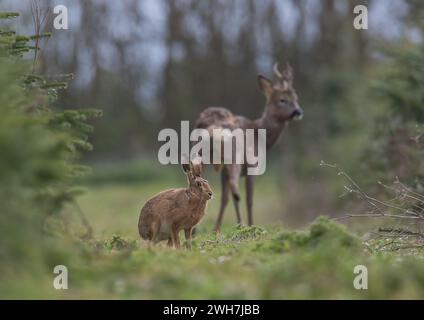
[[242, 263]]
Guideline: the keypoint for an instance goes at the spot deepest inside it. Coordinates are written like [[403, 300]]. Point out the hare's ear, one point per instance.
[[186, 168], [185, 163], [196, 166]]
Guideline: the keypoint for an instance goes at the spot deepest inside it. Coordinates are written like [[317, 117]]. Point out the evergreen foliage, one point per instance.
[[39, 147], [397, 144]]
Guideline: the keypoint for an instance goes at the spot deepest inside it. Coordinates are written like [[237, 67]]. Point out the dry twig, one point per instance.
[[405, 204]]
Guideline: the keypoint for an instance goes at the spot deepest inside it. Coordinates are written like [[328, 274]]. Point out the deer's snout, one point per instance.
[[297, 114]]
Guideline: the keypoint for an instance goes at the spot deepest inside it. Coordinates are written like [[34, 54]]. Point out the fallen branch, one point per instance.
[[401, 231], [377, 215]]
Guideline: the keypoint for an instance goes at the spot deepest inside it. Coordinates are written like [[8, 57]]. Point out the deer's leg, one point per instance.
[[234, 177], [236, 200], [224, 199], [188, 233], [249, 198]]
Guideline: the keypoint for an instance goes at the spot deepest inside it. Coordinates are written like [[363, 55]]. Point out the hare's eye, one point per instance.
[[199, 184]]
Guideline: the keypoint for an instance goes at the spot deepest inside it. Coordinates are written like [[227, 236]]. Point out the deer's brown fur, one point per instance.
[[170, 211], [281, 106]]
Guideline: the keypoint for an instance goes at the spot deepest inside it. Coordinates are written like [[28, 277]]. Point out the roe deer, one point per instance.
[[281, 106], [170, 211]]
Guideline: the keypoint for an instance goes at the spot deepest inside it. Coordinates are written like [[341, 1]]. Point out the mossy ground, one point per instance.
[[242, 263], [268, 261]]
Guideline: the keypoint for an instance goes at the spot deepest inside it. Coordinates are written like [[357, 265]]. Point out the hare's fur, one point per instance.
[[170, 211]]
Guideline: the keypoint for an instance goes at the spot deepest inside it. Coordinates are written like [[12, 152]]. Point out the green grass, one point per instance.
[[113, 207], [241, 263], [267, 261]]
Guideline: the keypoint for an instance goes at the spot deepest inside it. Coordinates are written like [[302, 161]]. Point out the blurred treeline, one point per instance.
[[150, 64]]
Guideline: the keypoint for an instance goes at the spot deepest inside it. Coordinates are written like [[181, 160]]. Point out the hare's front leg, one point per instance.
[[175, 237], [155, 231], [188, 236]]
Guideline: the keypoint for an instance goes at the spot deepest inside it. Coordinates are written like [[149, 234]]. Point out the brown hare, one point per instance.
[[170, 211]]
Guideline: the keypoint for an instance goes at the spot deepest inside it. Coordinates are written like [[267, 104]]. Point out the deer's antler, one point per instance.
[[277, 72]]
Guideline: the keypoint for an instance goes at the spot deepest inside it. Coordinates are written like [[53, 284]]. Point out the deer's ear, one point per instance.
[[265, 85]]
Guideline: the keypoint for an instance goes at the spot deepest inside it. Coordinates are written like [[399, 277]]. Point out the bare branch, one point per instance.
[[408, 203], [39, 19]]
